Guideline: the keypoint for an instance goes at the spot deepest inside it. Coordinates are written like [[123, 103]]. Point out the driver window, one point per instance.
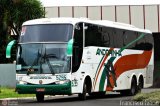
[[77, 47]]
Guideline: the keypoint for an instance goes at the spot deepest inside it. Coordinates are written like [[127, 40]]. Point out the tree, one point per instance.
[[12, 14]]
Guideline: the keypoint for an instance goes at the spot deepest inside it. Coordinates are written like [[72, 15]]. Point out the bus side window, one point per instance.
[[98, 39], [77, 47], [118, 40], [92, 36], [128, 38], [140, 45], [106, 39], [148, 42], [76, 54]]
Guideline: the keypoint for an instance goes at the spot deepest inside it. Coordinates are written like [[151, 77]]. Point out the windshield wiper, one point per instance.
[[47, 60], [34, 62], [41, 57]]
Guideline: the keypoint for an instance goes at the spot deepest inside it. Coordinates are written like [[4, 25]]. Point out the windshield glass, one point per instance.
[[43, 58], [46, 33]]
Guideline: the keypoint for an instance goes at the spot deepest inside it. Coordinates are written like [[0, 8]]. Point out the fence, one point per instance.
[[8, 75]]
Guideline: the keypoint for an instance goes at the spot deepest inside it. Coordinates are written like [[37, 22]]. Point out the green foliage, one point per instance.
[[12, 14], [7, 92], [25, 10], [153, 97], [15, 12]]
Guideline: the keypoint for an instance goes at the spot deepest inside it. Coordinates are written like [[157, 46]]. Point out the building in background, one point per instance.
[[140, 13]]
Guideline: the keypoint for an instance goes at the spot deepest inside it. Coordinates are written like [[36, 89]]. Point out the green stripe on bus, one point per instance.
[[98, 68], [140, 37], [102, 81], [103, 77]]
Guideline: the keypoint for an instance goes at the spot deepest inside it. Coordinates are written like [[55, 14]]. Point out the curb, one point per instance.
[[27, 98], [18, 98]]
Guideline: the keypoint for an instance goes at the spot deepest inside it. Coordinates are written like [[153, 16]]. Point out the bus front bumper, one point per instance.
[[54, 89]]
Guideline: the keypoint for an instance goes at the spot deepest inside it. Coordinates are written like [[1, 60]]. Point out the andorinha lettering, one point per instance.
[[40, 77], [112, 53]]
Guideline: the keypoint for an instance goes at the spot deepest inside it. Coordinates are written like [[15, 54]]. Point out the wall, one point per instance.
[[7, 75], [146, 17]]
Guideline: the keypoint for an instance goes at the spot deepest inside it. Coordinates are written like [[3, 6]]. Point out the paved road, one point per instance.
[[108, 100]]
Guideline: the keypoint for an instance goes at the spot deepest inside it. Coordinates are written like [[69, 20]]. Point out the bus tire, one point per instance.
[[82, 96], [40, 97], [133, 89], [140, 84]]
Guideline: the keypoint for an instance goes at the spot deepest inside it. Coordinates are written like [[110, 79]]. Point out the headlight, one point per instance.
[[62, 82], [21, 82]]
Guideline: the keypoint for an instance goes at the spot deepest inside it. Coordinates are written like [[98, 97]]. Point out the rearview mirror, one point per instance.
[[70, 47], [9, 48]]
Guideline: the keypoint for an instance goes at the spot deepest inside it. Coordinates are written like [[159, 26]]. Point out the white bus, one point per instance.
[[65, 56]]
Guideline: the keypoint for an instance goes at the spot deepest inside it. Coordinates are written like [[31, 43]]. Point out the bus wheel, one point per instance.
[[133, 89], [40, 97], [82, 95], [140, 84]]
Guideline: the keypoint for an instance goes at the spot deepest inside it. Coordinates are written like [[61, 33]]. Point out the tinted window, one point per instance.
[[46, 33], [128, 37], [118, 38], [96, 35], [146, 43], [103, 36], [77, 47], [149, 42], [93, 35]]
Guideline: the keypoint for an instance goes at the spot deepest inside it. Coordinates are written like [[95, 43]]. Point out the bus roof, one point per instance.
[[73, 21]]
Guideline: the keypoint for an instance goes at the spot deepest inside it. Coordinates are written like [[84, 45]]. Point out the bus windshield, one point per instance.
[[46, 33], [43, 58]]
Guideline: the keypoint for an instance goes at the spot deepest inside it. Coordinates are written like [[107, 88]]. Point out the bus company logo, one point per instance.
[[40, 77], [40, 81], [112, 53]]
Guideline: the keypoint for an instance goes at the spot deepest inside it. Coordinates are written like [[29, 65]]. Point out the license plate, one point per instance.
[[40, 89]]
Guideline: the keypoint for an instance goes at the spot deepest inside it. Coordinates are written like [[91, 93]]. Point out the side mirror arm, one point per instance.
[[9, 48]]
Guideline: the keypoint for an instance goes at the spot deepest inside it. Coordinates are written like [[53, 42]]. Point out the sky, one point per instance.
[[50, 3]]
